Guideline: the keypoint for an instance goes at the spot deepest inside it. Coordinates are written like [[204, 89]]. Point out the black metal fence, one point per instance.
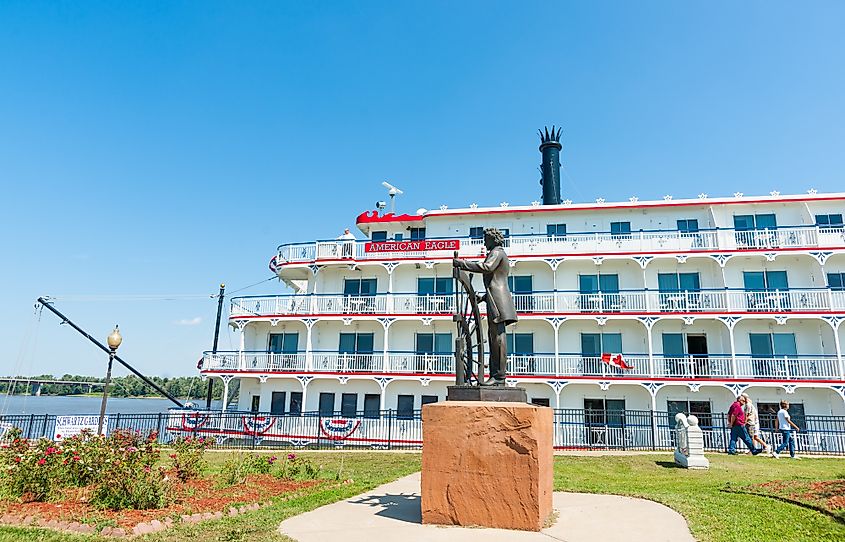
[[576, 429]]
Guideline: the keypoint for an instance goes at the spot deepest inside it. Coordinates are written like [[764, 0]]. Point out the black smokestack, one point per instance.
[[550, 148]]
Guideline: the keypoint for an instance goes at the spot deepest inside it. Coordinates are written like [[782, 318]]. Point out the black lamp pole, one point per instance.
[[214, 346], [114, 341]]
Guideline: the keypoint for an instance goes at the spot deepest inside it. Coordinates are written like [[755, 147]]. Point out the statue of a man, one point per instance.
[[500, 308]]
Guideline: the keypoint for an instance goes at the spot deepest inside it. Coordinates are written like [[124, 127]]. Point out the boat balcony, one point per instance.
[[639, 366], [725, 300], [645, 242]]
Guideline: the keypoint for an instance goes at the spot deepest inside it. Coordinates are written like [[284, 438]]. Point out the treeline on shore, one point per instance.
[[182, 387]]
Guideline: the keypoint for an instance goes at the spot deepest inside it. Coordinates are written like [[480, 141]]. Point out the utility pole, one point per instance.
[[214, 346]]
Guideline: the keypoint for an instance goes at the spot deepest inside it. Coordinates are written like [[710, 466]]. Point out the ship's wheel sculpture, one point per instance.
[[469, 343]]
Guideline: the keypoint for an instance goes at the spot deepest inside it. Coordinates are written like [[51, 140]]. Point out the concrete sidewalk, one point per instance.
[[392, 512]]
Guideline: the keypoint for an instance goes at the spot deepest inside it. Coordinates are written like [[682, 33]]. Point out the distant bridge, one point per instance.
[[35, 384]]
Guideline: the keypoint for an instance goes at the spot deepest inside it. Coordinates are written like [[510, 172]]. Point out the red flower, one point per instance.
[[17, 460], [42, 461]]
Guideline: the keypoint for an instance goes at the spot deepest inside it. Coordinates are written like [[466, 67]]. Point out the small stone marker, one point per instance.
[[689, 443]]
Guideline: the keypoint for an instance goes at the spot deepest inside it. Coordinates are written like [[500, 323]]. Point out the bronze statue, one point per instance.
[[500, 307]]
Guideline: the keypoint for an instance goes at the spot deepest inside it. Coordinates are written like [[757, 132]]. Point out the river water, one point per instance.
[[68, 405]]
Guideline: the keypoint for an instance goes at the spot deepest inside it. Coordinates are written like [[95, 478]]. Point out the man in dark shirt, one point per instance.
[[736, 421]]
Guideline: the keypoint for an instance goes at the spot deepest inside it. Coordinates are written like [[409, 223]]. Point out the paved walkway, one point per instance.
[[392, 512]]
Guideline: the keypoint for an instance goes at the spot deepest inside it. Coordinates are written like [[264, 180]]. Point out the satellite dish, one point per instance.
[[392, 191]]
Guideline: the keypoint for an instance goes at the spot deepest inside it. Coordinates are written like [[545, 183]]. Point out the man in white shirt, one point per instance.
[[348, 243], [786, 427]]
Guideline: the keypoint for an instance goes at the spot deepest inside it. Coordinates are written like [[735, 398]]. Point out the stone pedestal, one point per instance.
[[487, 464]]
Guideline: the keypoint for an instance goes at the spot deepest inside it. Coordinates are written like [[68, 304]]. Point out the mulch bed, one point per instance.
[[825, 496], [193, 497]]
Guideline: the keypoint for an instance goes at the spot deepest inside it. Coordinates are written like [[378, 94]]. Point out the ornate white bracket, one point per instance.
[[557, 385], [689, 320], [226, 378], [385, 322], [274, 322], [512, 263], [262, 378], [730, 321], [426, 320], [601, 320], [604, 385], [343, 380], [556, 322], [781, 320], [737, 388], [510, 382], [834, 321], [643, 260], [770, 256], [653, 387], [241, 324], [553, 262], [429, 264], [425, 381], [648, 321], [598, 260], [315, 269], [721, 259], [682, 258], [390, 266], [383, 381], [347, 321], [789, 388], [821, 257], [694, 386]]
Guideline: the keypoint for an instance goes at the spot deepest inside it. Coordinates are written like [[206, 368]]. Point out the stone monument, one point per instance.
[[487, 453], [689, 443]]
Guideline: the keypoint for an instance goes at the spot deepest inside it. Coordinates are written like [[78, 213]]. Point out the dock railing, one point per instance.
[[574, 429]]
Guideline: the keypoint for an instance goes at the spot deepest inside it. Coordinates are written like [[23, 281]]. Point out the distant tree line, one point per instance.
[[181, 387]]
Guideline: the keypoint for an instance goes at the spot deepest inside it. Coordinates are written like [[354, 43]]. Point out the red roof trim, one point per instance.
[[372, 217]]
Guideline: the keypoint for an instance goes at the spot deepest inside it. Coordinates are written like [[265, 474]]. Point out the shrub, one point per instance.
[[236, 469], [128, 475], [32, 472], [187, 456], [120, 468], [294, 466]]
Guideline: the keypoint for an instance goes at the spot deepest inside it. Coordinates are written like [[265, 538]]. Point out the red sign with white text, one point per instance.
[[413, 246]]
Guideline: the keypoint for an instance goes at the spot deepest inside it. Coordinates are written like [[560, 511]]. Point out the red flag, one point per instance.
[[615, 359]]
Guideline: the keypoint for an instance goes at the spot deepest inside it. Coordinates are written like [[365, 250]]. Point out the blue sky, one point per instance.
[[163, 147]]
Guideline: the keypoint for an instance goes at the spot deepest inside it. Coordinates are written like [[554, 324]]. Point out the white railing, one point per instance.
[[421, 363], [638, 241], [713, 366], [788, 367], [637, 301], [348, 363], [702, 366], [578, 365], [254, 361], [423, 304]]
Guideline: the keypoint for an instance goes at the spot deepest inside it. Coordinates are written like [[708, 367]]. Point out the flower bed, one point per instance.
[[123, 484]]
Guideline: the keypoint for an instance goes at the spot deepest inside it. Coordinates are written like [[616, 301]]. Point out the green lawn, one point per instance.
[[714, 515]]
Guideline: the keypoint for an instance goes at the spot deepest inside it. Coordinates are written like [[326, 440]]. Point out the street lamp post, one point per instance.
[[114, 341]]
